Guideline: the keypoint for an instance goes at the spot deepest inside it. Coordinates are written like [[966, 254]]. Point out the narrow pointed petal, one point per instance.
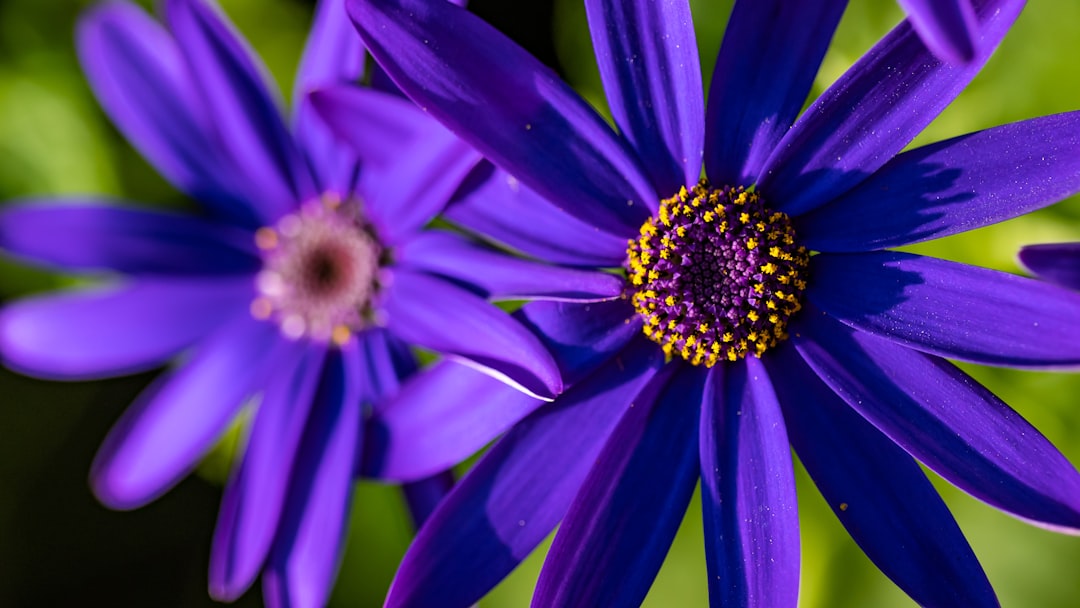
[[435, 314], [502, 277], [249, 121], [948, 27], [619, 527], [139, 77], [387, 362], [945, 419], [495, 205], [953, 186], [514, 110], [164, 434], [254, 498], [82, 335], [1057, 263], [581, 336], [872, 112], [423, 496], [748, 491], [449, 409], [652, 77], [376, 126], [767, 63], [878, 492], [950, 309], [333, 55], [99, 235], [420, 182], [517, 493], [307, 552]]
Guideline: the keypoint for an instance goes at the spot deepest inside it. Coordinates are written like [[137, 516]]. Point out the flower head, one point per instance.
[[851, 372], [294, 293]]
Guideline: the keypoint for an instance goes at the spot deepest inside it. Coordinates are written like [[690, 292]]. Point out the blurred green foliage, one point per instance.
[[57, 546]]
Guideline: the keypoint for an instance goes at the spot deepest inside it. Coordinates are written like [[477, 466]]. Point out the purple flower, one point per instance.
[[732, 340], [948, 27], [293, 295], [1058, 263]]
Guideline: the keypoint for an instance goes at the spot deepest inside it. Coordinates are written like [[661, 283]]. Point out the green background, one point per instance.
[[59, 547]]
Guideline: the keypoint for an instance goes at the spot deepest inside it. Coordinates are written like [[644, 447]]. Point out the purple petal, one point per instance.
[[253, 501], [174, 422], [514, 110], [519, 490], [501, 276], [950, 309], [440, 316], [423, 496], [945, 419], [948, 27], [377, 127], [117, 330], [420, 182], [748, 491], [770, 54], [581, 336], [1057, 263], [953, 186], [97, 235], [388, 361], [235, 89], [450, 411], [652, 77], [872, 112], [139, 77], [333, 55], [307, 551], [878, 492], [619, 527], [495, 205]]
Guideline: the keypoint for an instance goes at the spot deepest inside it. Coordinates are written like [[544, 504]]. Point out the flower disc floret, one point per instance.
[[320, 271], [716, 275]]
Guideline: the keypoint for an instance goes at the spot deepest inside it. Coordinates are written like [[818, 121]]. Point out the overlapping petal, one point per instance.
[[747, 491], [499, 276], [948, 27], [767, 63], [515, 111], [1058, 263], [467, 327], [878, 492], [652, 79], [118, 329], [946, 420], [519, 490], [255, 495], [247, 117], [950, 309], [98, 235], [160, 438], [619, 527], [953, 186], [875, 109]]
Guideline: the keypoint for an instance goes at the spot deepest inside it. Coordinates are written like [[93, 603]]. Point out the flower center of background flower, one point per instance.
[[320, 271], [716, 275]]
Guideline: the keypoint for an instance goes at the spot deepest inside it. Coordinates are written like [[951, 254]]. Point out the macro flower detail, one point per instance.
[[861, 388], [288, 300], [1057, 263], [716, 275]]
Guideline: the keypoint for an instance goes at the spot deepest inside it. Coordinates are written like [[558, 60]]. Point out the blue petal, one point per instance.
[[421, 497], [878, 492], [747, 491], [948, 27], [649, 66], [1058, 263], [619, 527], [945, 419], [519, 490]]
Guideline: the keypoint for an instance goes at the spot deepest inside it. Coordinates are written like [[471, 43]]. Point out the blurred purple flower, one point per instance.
[[297, 289], [750, 343], [1058, 263]]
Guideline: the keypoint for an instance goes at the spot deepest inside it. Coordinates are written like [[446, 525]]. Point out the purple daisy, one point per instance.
[[1058, 263], [293, 295], [732, 338]]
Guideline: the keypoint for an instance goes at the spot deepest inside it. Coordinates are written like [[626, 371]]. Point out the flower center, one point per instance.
[[320, 271], [716, 275]]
